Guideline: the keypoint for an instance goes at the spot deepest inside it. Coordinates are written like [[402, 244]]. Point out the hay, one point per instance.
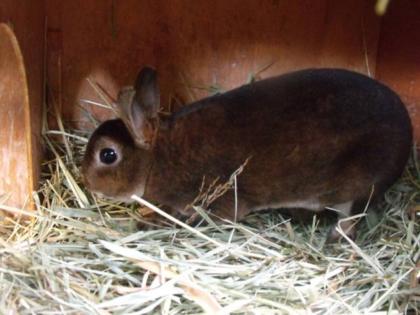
[[82, 255]]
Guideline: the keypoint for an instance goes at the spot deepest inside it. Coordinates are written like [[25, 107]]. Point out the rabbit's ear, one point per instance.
[[138, 107], [147, 92]]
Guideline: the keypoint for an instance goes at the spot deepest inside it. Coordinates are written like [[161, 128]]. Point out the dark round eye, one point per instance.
[[108, 156]]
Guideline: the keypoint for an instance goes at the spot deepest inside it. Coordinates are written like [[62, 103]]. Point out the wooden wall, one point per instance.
[[200, 43], [398, 59]]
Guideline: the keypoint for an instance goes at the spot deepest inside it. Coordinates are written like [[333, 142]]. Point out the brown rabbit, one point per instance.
[[314, 138]]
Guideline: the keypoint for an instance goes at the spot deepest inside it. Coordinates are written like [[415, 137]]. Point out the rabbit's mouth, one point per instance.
[[109, 191]]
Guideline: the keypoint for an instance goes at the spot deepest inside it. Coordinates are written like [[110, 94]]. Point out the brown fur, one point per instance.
[[327, 135]]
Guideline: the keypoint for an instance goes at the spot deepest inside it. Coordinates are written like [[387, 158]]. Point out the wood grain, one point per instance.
[[27, 21], [16, 169], [200, 43]]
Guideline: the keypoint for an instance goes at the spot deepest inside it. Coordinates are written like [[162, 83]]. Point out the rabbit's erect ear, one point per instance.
[[147, 91], [138, 107]]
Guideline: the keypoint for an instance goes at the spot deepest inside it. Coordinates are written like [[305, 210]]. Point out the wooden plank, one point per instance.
[[27, 20], [17, 181]]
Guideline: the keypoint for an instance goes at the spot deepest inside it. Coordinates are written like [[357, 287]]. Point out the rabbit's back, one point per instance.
[[353, 99]]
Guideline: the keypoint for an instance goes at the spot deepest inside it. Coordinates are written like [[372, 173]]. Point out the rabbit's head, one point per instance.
[[118, 156]]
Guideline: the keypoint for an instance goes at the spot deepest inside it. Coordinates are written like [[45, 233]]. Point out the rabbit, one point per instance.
[[311, 139]]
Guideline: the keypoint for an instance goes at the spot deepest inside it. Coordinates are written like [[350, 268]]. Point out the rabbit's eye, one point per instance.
[[108, 156]]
